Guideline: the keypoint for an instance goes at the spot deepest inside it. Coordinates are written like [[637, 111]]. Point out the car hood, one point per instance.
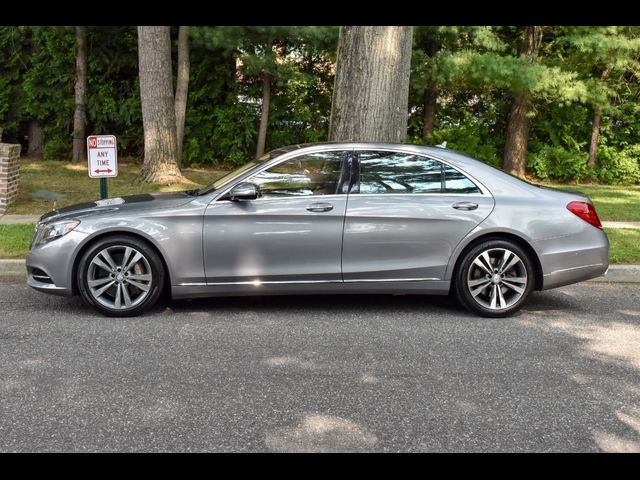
[[130, 203]]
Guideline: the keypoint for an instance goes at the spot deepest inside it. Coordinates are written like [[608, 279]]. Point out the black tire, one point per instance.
[[475, 304], [147, 299]]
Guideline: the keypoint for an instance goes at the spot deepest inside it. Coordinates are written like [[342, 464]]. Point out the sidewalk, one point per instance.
[[605, 224], [17, 219]]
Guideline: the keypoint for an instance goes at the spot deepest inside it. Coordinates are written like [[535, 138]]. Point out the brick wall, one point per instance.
[[9, 174]]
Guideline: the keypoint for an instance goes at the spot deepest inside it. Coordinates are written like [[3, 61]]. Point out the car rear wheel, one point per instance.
[[495, 278], [120, 276]]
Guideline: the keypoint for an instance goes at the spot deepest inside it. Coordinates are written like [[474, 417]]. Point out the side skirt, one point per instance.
[[429, 287]]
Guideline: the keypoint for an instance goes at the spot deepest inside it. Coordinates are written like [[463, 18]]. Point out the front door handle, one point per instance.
[[320, 207], [465, 206]]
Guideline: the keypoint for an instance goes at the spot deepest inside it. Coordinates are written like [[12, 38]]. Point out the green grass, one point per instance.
[[72, 181], [613, 202], [14, 240], [625, 245]]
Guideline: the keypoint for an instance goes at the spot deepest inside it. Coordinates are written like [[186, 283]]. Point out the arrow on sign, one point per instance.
[[108, 170]]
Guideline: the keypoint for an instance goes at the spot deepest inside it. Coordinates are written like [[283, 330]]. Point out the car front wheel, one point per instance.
[[494, 279], [120, 276]]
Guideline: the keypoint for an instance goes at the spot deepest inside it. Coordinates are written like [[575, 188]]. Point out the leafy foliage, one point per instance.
[[475, 70]]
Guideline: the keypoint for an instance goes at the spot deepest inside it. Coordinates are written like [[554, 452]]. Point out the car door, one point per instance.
[[405, 215], [291, 233]]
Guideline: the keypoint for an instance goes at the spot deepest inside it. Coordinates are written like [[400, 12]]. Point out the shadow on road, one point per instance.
[[323, 373]]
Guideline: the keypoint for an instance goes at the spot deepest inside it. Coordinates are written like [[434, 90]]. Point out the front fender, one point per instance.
[[178, 239]]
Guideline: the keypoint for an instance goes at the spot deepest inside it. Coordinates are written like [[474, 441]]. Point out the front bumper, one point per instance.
[[50, 266]]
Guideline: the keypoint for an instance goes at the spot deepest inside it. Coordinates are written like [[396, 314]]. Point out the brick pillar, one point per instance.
[[9, 174]]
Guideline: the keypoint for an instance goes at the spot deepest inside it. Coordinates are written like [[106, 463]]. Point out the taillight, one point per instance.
[[586, 212]]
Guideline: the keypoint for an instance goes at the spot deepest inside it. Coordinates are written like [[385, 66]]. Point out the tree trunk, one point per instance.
[[36, 139], [514, 159], [158, 109], [515, 147], [595, 129], [79, 116], [182, 86], [595, 136], [264, 116], [371, 91], [430, 105]]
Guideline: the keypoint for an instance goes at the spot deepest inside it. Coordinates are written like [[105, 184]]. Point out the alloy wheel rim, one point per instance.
[[497, 279], [119, 277]]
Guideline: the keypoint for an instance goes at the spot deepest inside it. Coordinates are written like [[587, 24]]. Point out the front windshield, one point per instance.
[[222, 181]]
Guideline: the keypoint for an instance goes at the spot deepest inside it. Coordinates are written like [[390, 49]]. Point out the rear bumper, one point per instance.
[[571, 275], [574, 258]]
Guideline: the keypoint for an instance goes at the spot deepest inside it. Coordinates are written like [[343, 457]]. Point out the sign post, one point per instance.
[[102, 155]]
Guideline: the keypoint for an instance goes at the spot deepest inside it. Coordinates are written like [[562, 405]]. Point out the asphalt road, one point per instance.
[[330, 373]]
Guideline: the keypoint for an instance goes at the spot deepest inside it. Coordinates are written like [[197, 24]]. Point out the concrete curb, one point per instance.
[[620, 274], [616, 273], [12, 268]]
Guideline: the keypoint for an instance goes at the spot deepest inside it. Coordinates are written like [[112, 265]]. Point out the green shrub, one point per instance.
[[56, 148], [618, 166], [558, 163]]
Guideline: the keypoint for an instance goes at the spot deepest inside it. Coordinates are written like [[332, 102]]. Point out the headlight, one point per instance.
[[48, 232]]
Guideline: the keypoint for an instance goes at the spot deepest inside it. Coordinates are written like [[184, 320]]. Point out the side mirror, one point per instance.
[[244, 191]]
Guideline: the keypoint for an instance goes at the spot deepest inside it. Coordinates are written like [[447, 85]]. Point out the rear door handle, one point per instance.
[[320, 207], [465, 206]]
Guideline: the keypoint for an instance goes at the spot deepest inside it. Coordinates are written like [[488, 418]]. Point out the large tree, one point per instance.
[[158, 109], [182, 86], [514, 158], [370, 97], [609, 58], [79, 116]]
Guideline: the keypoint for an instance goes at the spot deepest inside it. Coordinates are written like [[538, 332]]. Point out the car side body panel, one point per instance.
[[404, 236]]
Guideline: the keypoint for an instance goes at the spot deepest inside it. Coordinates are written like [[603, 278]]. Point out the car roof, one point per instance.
[[453, 156]]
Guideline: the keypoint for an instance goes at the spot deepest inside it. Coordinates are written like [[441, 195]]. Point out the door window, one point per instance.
[[394, 172], [397, 172], [305, 175], [456, 182]]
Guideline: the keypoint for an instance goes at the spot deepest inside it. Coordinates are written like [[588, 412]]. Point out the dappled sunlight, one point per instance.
[[289, 361], [391, 45], [161, 410], [32, 363], [33, 167], [580, 379], [11, 385], [321, 433], [615, 341], [369, 379], [76, 167], [611, 443], [631, 420]]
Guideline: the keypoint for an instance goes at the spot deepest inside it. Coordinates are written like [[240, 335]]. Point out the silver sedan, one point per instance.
[[326, 219]]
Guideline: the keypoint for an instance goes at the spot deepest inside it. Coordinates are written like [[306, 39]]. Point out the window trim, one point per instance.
[[484, 192]]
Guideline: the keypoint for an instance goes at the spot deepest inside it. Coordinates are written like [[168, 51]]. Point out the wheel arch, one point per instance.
[[499, 235], [111, 233]]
